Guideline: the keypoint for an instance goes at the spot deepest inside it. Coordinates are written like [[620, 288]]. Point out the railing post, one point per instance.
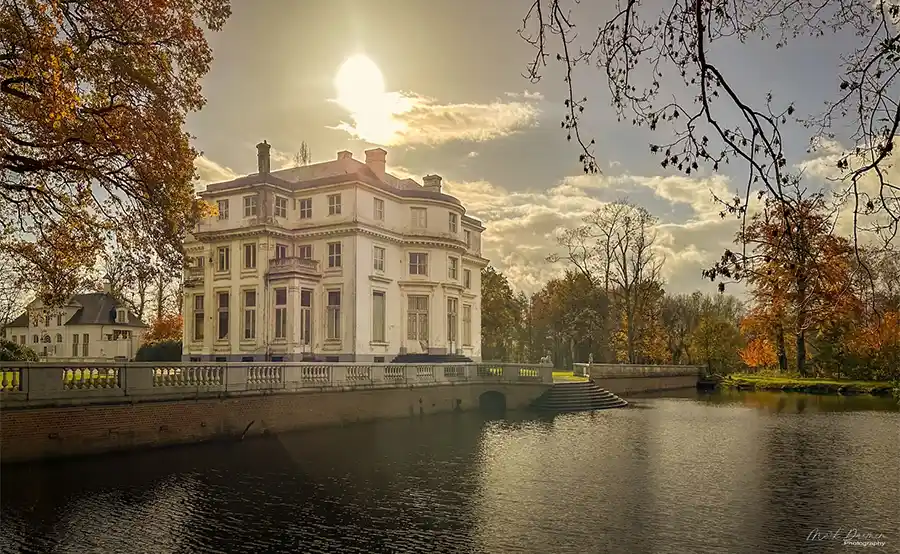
[[235, 376]]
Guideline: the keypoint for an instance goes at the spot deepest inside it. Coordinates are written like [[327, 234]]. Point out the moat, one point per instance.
[[726, 472]]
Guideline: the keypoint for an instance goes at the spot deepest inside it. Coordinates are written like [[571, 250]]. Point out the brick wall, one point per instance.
[[35, 433]]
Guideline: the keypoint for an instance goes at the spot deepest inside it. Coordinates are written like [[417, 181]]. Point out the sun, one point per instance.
[[361, 91], [359, 84]]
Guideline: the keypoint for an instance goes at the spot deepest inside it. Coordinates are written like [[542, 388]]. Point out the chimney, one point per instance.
[[432, 182], [262, 157], [375, 159], [345, 155]]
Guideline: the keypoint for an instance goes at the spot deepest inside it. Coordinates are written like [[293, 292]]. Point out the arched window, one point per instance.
[[58, 337]]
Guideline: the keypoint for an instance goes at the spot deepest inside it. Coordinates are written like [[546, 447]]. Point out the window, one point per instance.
[[306, 317], [334, 254], [198, 317], [378, 257], [34, 339], [418, 263], [419, 218], [452, 310], [58, 337], [46, 321], [378, 315], [121, 316], [379, 209], [467, 325], [75, 345], [305, 208], [250, 206], [223, 315], [250, 256], [334, 204], [417, 318], [468, 235], [467, 278], [59, 320], [334, 315], [223, 209], [280, 313], [85, 340], [454, 223], [280, 206], [249, 315], [304, 251], [280, 251], [453, 268], [224, 259], [21, 339]]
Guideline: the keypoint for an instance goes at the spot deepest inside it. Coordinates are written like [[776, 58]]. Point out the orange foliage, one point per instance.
[[165, 328], [879, 339], [95, 96], [759, 354]]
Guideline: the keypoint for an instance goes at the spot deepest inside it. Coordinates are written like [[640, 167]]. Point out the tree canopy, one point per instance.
[[94, 99], [665, 71]]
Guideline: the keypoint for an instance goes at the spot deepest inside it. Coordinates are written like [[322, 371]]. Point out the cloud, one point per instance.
[[405, 118], [522, 226], [209, 171], [472, 155], [822, 168], [526, 95]]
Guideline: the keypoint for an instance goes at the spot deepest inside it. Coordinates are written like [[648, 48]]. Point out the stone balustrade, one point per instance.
[[33, 384], [618, 371]]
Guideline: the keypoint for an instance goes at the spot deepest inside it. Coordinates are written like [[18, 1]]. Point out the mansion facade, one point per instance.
[[334, 261]]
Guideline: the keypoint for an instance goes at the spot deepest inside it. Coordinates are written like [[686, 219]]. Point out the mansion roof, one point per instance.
[[96, 308]]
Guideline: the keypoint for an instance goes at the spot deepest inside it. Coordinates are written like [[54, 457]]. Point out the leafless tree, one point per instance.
[[14, 295], [663, 73], [303, 157], [615, 249]]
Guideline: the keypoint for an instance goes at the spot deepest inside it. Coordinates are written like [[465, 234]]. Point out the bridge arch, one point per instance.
[[492, 402]]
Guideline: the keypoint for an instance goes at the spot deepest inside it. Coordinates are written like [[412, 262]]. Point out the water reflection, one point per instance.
[[734, 472]]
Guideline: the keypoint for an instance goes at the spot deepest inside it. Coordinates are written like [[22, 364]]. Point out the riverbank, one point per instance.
[[808, 385]]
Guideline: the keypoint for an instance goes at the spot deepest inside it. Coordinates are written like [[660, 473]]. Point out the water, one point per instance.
[[731, 472]]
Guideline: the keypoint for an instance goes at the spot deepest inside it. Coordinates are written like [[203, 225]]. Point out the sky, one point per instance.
[[455, 103]]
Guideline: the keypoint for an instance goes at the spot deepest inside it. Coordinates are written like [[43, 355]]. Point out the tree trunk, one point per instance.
[[780, 348], [801, 353]]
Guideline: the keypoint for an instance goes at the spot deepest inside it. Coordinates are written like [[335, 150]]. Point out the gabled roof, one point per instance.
[[95, 308]]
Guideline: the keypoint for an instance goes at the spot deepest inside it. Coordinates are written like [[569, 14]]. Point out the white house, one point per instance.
[[89, 327], [335, 261]]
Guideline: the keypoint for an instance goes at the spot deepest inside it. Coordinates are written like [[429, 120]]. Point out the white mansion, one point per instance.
[[335, 261]]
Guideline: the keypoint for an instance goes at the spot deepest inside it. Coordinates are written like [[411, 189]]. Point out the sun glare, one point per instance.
[[359, 83], [361, 91]]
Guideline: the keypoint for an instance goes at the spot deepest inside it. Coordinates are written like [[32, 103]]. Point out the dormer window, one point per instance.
[[121, 316]]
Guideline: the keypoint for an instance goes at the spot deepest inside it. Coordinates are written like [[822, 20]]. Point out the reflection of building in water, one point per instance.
[[337, 261]]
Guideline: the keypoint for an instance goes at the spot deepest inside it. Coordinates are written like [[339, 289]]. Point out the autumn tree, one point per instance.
[[799, 272], [165, 328], [614, 249], [666, 68], [92, 147], [572, 320]]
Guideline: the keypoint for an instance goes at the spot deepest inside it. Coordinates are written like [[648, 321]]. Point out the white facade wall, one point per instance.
[[359, 230], [62, 345]]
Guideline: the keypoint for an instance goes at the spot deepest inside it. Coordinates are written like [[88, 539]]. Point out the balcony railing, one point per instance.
[[37, 384], [293, 264]]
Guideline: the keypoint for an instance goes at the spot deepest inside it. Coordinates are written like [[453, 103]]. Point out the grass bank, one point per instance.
[[567, 376], [807, 385]]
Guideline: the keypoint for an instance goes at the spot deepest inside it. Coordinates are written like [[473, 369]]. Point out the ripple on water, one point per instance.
[[739, 473]]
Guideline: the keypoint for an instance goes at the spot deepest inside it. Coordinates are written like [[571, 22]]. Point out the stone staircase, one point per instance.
[[577, 396]]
